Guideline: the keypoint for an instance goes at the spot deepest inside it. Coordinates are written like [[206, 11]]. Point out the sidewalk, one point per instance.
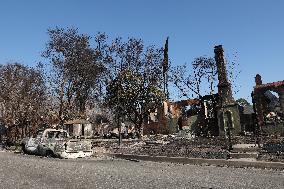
[[238, 163]]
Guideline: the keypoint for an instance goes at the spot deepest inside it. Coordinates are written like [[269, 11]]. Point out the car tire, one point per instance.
[[23, 148], [49, 154]]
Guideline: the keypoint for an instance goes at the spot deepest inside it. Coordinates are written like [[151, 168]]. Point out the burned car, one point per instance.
[[56, 143]]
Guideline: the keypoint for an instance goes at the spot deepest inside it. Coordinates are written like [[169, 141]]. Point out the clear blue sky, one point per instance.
[[252, 28]]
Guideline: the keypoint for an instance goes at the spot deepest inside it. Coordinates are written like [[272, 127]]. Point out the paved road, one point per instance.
[[23, 171]]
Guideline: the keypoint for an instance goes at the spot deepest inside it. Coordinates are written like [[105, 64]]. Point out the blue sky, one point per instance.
[[252, 28]]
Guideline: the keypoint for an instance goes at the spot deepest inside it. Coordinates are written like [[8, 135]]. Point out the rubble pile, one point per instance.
[[273, 150], [243, 139], [211, 148]]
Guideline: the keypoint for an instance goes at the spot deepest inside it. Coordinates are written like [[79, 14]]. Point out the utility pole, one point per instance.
[[165, 68], [118, 111], [165, 65]]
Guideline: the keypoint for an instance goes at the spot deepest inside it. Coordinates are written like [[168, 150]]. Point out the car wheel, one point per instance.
[[23, 149], [49, 154]]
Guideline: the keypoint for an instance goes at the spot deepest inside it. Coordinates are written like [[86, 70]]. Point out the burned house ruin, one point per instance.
[[210, 115], [269, 108]]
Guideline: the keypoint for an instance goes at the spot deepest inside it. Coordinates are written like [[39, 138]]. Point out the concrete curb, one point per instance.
[[200, 161]]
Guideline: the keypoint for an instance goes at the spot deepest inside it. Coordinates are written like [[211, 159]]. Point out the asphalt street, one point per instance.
[[26, 171]]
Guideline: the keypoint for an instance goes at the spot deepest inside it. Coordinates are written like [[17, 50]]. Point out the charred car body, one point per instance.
[[56, 143]]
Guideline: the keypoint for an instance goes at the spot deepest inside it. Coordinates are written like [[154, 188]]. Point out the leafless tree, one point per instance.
[[196, 79], [200, 77]]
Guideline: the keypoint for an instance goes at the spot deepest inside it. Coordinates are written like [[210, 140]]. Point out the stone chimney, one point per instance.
[[258, 80], [224, 86], [228, 112]]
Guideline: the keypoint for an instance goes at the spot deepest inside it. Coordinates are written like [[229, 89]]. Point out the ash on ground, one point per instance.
[[164, 145]]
